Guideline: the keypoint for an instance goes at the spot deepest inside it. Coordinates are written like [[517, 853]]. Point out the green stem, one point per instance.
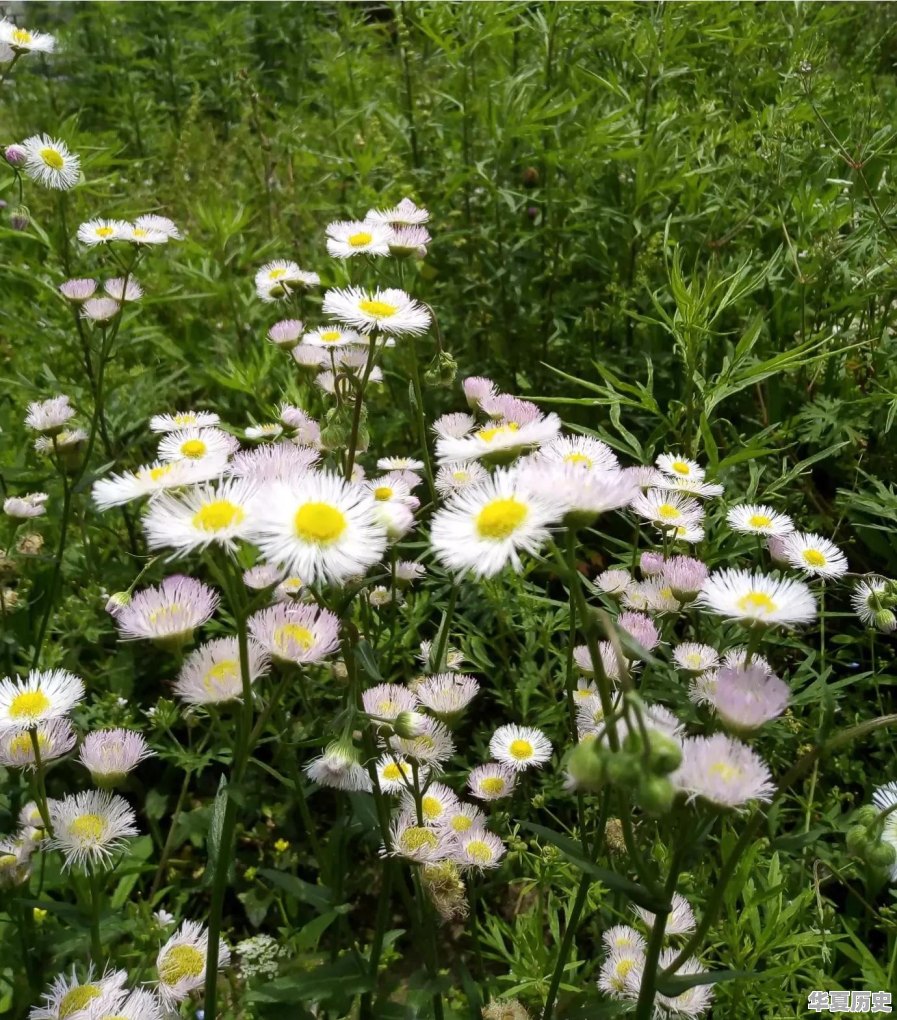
[[444, 630], [421, 422], [169, 839], [359, 401], [40, 785], [644, 1007], [96, 946], [57, 567]]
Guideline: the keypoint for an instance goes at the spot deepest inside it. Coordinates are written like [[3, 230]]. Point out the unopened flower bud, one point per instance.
[[442, 370], [655, 795], [15, 155], [585, 766], [409, 725]]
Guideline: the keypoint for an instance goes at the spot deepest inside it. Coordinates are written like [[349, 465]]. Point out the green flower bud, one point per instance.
[[881, 856], [858, 840], [666, 754], [867, 815], [442, 370], [587, 766], [655, 795]]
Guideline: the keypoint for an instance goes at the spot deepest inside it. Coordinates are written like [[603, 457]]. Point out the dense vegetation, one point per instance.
[[672, 225]]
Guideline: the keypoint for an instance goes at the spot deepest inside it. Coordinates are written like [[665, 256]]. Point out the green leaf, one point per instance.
[[365, 655], [317, 896], [344, 978], [216, 827], [676, 984]]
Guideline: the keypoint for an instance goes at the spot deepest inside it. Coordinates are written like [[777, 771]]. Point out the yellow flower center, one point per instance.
[[431, 807], [21, 744], [28, 705], [77, 998], [461, 823], [386, 706], [728, 773], [88, 828], [680, 467], [578, 458], [166, 616], [330, 336], [501, 518], [360, 239], [218, 515], [219, 677], [394, 772], [814, 558], [488, 435], [759, 521], [193, 448], [757, 602], [181, 962], [668, 512], [277, 274], [418, 838], [460, 476], [52, 159], [479, 850], [21, 37], [493, 785], [620, 972], [8, 861], [693, 659], [292, 584], [105, 231], [288, 634], [156, 474], [383, 493], [139, 232], [319, 523], [520, 750], [377, 309]]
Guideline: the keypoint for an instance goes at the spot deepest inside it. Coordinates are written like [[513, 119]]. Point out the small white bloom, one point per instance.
[[211, 674], [346, 238], [42, 696], [49, 162], [815, 555], [181, 963], [758, 519], [90, 828], [390, 311], [520, 747]]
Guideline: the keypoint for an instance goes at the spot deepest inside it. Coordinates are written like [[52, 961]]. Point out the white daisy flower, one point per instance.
[[121, 290], [694, 1001], [680, 920], [71, 999], [280, 278], [141, 1004], [723, 771], [702, 689], [483, 528], [183, 420], [168, 613], [757, 598], [758, 519], [478, 850], [332, 337], [395, 774], [109, 755], [492, 781], [433, 745], [340, 768], [400, 464], [623, 936], [614, 581], [815, 555], [298, 634], [89, 828], [65, 442], [478, 388], [435, 803], [390, 311], [206, 515], [610, 662], [447, 694], [24, 40], [583, 494], [320, 527], [454, 659], [49, 416], [654, 595], [117, 490], [405, 214], [884, 798], [735, 658], [461, 817], [181, 963], [100, 309], [261, 576], [286, 334], [388, 701], [159, 225], [197, 445], [144, 235], [693, 534], [49, 162], [391, 488], [42, 696], [102, 231], [668, 510], [54, 739], [211, 673], [26, 507], [269, 430], [78, 290], [407, 572], [520, 747], [620, 971], [691, 487], [695, 657], [502, 440], [677, 466], [580, 451], [407, 241], [453, 426], [419, 843], [346, 238], [867, 602], [273, 462]]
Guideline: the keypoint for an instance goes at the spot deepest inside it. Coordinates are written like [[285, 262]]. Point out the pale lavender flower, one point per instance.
[[261, 576], [651, 564], [77, 291], [120, 290], [492, 781], [641, 628], [747, 698], [109, 755], [26, 507], [388, 701], [212, 674], [723, 771], [685, 575], [286, 333], [340, 768], [169, 612], [478, 388], [49, 416], [296, 633], [55, 737], [100, 309], [447, 694], [273, 462]]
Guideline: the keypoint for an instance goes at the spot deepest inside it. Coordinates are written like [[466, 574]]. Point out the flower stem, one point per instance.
[[96, 946], [41, 788]]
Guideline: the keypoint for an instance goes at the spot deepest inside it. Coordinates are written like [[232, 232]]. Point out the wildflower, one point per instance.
[[211, 674], [163, 918], [436, 802], [23, 40], [152, 478], [583, 452], [446, 695], [405, 214], [400, 464], [394, 773], [505, 1009], [339, 767], [260, 956], [519, 747], [273, 462], [419, 843], [205, 515], [286, 334], [477, 388], [723, 771], [680, 920], [479, 850], [144, 235], [100, 309], [168, 613], [102, 231], [701, 490], [89, 828], [49, 416], [390, 311], [15, 862], [346, 238], [332, 337], [407, 572], [868, 603], [757, 598], [54, 739], [748, 697], [614, 581], [77, 291], [388, 701], [736, 658], [621, 972], [123, 290], [268, 430], [181, 963], [296, 634], [611, 663], [758, 519], [668, 510], [443, 884], [26, 507], [452, 477], [432, 744], [640, 628], [109, 755], [183, 420], [71, 999], [492, 781], [197, 445], [651, 564], [885, 798], [261, 576], [44, 695], [695, 657], [453, 658], [815, 555], [278, 279], [141, 1004], [582, 494], [159, 225], [482, 529], [693, 1001], [406, 241], [49, 162], [500, 440], [461, 817], [677, 466], [622, 936], [684, 575]]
